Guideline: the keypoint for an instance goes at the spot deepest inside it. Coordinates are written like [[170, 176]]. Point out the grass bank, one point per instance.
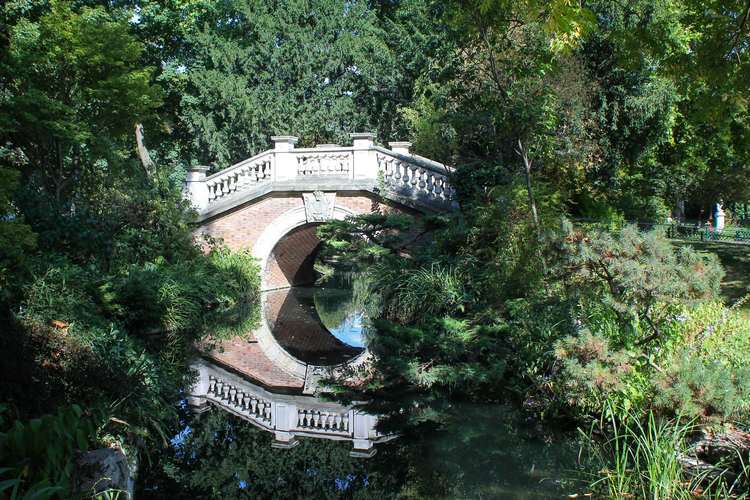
[[735, 258]]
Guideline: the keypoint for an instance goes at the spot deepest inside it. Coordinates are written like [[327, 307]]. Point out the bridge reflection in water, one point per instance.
[[288, 416], [316, 325], [319, 327]]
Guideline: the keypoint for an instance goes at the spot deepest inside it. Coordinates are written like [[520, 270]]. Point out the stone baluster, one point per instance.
[[261, 408], [430, 184], [397, 170], [409, 176], [438, 186]]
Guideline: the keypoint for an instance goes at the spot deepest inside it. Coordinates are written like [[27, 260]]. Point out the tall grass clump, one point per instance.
[[648, 457], [424, 292]]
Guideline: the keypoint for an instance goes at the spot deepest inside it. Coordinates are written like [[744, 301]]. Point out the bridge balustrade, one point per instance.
[[404, 177]]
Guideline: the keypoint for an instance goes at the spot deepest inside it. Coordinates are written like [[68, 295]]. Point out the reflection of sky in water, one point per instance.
[[350, 330]]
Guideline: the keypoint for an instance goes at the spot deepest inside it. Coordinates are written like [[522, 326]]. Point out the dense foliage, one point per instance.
[[104, 290], [550, 110]]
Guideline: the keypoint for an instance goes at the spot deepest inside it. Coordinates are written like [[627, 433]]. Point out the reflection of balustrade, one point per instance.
[[287, 416], [246, 404], [408, 178], [323, 421]]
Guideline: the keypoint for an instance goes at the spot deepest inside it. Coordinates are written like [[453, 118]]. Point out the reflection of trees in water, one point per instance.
[[225, 457], [480, 451], [333, 306], [348, 293]]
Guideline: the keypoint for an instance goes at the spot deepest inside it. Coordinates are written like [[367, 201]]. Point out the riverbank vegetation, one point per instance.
[[551, 112]]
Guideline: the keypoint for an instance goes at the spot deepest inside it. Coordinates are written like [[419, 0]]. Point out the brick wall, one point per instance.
[[241, 227], [290, 261]]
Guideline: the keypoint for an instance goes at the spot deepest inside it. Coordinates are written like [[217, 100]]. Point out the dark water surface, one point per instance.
[[477, 451], [316, 324], [484, 451]]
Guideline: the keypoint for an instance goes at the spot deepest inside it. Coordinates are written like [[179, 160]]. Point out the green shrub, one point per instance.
[[638, 276], [37, 458], [62, 291], [422, 293], [708, 390], [594, 374], [217, 294]]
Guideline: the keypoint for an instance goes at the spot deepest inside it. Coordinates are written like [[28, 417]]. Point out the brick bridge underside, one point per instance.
[[274, 228]]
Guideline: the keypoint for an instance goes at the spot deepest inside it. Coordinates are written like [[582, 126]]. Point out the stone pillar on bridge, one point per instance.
[[285, 163], [195, 187], [365, 162], [400, 147]]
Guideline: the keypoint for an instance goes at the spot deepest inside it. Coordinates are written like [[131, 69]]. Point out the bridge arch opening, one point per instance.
[[313, 323], [292, 260]]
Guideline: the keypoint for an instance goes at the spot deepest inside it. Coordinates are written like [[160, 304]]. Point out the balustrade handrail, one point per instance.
[[412, 158], [327, 149], [424, 182], [417, 160], [238, 165]]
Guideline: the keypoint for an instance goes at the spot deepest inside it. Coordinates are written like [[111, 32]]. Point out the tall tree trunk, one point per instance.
[[145, 157], [527, 171]]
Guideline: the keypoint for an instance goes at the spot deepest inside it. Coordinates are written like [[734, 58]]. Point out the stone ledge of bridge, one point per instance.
[[394, 174]]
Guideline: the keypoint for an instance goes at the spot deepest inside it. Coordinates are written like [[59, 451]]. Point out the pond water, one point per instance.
[[316, 324], [476, 451], [482, 451]]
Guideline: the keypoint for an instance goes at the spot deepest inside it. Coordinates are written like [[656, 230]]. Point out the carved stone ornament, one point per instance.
[[319, 206]]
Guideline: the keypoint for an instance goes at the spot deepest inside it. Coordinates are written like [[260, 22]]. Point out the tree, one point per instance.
[[252, 69], [76, 89], [16, 238]]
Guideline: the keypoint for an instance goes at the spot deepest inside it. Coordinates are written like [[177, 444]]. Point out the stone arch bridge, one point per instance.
[[271, 204], [280, 193]]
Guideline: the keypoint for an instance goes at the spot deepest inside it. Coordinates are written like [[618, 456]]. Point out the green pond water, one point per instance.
[[477, 450]]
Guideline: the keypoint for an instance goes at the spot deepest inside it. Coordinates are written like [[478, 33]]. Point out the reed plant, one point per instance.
[[648, 458]]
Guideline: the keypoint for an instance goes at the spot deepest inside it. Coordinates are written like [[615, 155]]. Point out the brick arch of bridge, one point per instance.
[[259, 225], [276, 229]]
